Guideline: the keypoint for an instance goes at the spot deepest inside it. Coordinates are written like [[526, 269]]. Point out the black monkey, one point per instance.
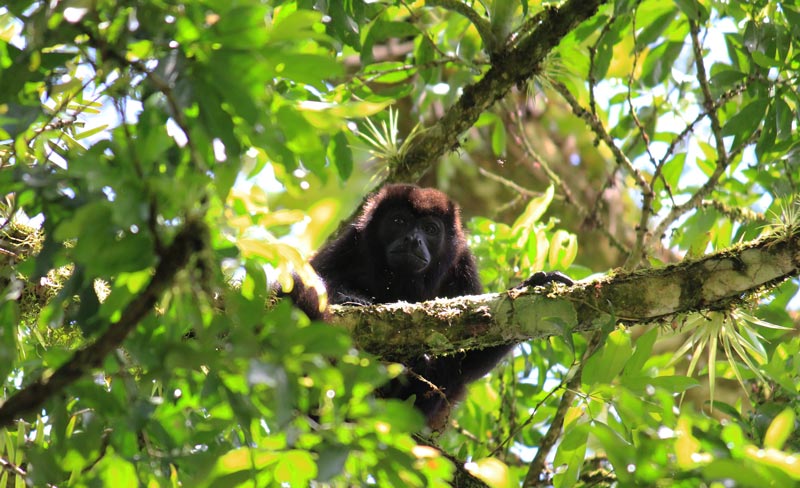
[[408, 245]]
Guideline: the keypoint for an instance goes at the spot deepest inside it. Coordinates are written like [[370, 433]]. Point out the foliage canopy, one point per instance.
[[163, 163]]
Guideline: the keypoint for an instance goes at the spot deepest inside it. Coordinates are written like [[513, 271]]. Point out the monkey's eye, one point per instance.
[[430, 228], [399, 220]]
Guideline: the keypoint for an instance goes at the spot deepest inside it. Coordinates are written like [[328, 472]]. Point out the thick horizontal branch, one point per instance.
[[715, 282]]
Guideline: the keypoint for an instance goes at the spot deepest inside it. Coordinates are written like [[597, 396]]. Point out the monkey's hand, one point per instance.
[[542, 278], [345, 297]]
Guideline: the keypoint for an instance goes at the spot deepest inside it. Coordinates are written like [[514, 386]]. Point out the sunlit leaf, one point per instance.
[[780, 429], [491, 471], [535, 209]]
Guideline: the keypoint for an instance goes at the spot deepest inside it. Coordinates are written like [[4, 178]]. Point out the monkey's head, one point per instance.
[[418, 229]]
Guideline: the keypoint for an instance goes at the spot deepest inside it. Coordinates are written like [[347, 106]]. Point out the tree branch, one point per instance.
[[404, 330], [511, 67], [188, 241]]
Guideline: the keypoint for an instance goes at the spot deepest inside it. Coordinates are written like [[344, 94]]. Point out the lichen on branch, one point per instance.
[[714, 282]]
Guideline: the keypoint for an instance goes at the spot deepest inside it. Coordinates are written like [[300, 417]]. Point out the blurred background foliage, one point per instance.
[[655, 131]]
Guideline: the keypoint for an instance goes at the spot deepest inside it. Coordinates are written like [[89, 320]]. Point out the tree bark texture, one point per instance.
[[714, 282]]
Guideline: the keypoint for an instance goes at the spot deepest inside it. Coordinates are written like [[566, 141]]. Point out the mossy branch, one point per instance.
[[715, 282], [515, 65]]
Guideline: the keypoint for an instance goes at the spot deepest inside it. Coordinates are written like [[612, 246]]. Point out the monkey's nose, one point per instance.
[[414, 240]]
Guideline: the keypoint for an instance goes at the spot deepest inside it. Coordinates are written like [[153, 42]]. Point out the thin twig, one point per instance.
[[527, 421], [159, 83], [536, 466], [638, 253], [600, 131], [515, 66], [592, 57], [722, 100], [622, 160], [508, 183], [736, 214], [708, 99], [12, 468], [723, 160], [583, 212]]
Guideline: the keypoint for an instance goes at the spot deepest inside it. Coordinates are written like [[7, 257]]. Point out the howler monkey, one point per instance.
[[408, 245]]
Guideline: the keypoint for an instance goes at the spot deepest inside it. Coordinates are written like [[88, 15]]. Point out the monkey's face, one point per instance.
[[411, 242]]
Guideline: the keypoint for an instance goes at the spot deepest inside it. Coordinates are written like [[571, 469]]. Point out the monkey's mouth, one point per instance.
[[409, 259]]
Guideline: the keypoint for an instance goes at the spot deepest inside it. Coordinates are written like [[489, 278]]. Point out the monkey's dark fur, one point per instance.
[[408, 245]]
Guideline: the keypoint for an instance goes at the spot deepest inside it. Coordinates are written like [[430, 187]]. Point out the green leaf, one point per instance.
[[499, 138], [604, 366], [696, 231], [535, 209], [113, 470], [603, 56], [672, 384], [537, 250], [9, 317], [746, 121], [242, 460], [382, 30], [673, 169], [240, 27], [658, 64], [91, 132], [389, 72], [339, 151], [296, 468], [785, 117], [425, 53], [732, 469], [692, 9], [330, 461], [311, 69], [765, 61], [343, 26], [792, 15], [780, 429], [563, 249], [642, 352], [15, 118], [302, 139], [655, 28], [570, 455], [725, 79], [620, 453], [296, 26], [323, 339]]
